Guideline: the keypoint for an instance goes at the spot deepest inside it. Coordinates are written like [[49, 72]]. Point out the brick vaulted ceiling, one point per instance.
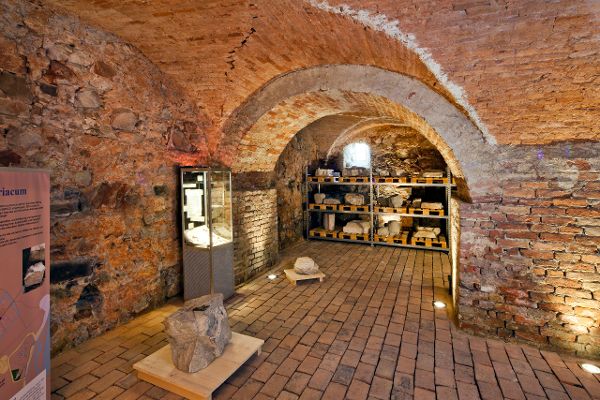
[[526, 71]]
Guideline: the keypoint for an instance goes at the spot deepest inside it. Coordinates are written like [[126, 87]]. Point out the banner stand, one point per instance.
[[24, 284]]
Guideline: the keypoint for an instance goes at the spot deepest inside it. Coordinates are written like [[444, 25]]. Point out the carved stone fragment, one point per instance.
[[356, 199], [329, 221], [305, 266], [198, 332], [319, 197]]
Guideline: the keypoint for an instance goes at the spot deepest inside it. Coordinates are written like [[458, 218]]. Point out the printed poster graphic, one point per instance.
[[24, 284]]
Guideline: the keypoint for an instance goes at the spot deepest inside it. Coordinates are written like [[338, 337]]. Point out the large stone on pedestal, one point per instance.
[[305, 266], [198, 332]]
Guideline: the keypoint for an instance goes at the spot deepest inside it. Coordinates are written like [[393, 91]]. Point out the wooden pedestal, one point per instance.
[[295, 277], [158, 369]]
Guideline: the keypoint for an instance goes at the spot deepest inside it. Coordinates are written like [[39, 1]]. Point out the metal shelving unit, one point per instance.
[[373, 187]]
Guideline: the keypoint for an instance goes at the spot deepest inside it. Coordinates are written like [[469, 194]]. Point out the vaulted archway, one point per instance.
[[362, 96], [260, 128]]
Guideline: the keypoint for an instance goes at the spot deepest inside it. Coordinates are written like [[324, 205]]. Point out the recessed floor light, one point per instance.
[[591, 368], [439, 304], [271, 276]]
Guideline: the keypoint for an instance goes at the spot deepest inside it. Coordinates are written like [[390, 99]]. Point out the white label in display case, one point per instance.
[[194, 204], [34, 390]]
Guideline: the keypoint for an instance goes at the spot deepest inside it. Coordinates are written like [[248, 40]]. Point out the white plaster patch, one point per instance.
[[488, 288], [381, 23]]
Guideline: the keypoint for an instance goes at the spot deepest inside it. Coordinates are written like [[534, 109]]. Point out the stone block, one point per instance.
[[198, 332], [124, 120], [357, 199], [305, 266]]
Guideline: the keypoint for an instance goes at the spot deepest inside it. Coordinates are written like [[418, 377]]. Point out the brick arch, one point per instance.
[[259, 130]]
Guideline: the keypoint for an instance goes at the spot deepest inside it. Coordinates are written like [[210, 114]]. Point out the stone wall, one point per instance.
[[393, 150], [255, 232], [529, 254], [111, 129]]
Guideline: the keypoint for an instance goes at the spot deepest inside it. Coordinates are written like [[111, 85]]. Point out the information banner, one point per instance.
[[24, 284]]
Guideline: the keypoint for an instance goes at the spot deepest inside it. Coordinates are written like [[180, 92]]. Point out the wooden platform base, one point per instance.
[[321, 232], [440, 242], [295, 277], [158, 369], [354, 236]]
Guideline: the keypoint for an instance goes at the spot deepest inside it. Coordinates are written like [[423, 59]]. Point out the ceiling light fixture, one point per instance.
[[591, 368], [271, 276], [439, 304]]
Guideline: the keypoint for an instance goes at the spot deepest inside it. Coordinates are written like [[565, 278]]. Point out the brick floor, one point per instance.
[[368, 331]]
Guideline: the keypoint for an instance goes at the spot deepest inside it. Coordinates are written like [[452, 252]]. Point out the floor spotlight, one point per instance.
[[591, 368], [271, 276], [439, 304]]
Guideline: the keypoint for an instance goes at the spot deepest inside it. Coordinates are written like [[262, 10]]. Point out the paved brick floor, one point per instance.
[[368, 331]]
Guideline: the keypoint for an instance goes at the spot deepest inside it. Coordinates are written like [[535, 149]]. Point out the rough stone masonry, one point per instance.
[[111, 128]]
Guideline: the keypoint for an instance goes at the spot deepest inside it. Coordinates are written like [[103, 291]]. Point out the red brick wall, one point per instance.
[[530, 259], [255, 232], [528, 67]]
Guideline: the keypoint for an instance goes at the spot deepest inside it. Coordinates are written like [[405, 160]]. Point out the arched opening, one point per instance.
[[356, 155], [366, 99]]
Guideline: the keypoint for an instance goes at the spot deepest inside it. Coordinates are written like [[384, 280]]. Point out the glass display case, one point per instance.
[[206, 217]]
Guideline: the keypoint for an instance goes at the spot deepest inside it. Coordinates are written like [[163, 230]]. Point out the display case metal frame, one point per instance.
[[200, 277]]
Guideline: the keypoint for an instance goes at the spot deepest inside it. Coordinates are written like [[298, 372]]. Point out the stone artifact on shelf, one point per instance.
[[432, 205], [198, 332], [35, 274], [394, 227], [305, 266], [433, 174], [319, 197], [329, 222], [356, 199], [366, 225], [324, 172], [357, 226], [427, 232], [416, 203], [396, 201], [399, 172], [355, 171], [383, 231], [352, 227], [331, 201]]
